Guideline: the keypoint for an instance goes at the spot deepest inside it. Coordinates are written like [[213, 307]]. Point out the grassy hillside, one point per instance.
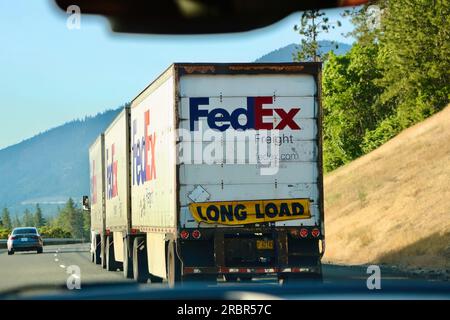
[[393, 204]]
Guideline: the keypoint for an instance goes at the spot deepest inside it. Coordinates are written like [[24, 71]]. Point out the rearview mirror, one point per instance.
[[196, 16], [86, 204]]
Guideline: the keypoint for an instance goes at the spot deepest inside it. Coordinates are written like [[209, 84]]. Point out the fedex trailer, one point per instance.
[[214, 170], [226, 173], [97, 204]]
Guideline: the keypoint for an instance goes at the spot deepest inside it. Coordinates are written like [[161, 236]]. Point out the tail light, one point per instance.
[[196, 234], [303, 232], [13, 237], [184, 234], [315, 232]]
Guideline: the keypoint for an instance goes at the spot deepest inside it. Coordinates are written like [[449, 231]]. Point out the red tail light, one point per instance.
[[303, 232], [13, 238], [196, 234], [315, 232], [184, 234]]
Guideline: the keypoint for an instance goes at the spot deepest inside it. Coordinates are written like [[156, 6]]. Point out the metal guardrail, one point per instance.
[[51, 241]]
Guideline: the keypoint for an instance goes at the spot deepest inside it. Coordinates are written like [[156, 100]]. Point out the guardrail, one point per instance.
[[51, 241]]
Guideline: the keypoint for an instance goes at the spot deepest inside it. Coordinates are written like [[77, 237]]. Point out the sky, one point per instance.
[[50, 75]]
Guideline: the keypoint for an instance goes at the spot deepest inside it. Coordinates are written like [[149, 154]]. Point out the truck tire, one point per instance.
[[97, 250], [111, 264], [230, 277], [140, 264], [173, 266], [103, 251], [127, 259]]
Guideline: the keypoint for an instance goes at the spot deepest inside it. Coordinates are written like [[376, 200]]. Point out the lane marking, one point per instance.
[[56, 260], [62, 266]]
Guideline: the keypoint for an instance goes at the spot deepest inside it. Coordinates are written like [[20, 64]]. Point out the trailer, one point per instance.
[[224, 210], [97, 202], [117, 194]]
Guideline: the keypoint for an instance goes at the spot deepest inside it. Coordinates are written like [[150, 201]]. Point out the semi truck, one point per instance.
[[214, 170]]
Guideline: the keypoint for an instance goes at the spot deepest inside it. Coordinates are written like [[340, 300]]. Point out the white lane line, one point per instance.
[[56, 260], [62, 266], [55, 255]]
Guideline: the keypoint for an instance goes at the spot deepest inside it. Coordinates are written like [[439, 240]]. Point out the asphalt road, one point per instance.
[[50, 268]]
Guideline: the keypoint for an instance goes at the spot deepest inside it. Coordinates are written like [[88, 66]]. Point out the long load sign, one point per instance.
[[249, 212]]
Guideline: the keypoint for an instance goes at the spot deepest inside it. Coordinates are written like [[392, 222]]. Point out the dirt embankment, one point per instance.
[[393, 205]]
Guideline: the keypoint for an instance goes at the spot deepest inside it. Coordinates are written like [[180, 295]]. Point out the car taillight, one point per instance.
[[303, 232], [315, 232], [184, 234], [196, 234], [13, 238]]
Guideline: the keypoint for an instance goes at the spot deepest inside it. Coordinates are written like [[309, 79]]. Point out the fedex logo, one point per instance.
[[93, 184], [111, 173], [255, 112], [144, 167]]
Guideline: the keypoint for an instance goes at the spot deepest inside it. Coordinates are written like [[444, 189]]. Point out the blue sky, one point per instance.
[[50, 74]]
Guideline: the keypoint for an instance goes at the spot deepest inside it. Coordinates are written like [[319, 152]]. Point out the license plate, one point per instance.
[[264, 244], [24, 239]]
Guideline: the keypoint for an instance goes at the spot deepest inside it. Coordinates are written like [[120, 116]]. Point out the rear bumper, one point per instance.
[[250, 271], [29, 246]]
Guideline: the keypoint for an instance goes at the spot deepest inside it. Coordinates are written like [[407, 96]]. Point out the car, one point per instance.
[[24, 239]]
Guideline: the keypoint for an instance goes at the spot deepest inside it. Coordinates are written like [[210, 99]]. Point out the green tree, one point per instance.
[[28, 219], [16, 222], [350, 102], [6, 219], [39, 220], [71, 219], [312, 24]]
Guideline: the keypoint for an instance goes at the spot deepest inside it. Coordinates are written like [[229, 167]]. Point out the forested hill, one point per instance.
[[50, 167], [286, 54]]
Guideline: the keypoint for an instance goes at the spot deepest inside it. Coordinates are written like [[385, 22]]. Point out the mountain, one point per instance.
[[286, 53], [392, 205], [50, 167]]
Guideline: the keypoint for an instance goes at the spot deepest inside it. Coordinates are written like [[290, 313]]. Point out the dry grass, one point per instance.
[[393, 204]]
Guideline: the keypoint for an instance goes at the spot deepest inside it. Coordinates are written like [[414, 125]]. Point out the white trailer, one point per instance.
[[225, 211], [117, 193], [97, 204]]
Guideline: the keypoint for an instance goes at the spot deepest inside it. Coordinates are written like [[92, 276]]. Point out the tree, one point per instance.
[[28, 219], [6, 219], [71, 218], [312, 23], [39, 220], [350, 102], [16, 222]]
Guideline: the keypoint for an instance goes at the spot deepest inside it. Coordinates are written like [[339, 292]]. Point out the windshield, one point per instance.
[[24, 231], [313, 150]]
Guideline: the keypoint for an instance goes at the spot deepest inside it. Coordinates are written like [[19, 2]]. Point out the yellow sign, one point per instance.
[[248, 212]]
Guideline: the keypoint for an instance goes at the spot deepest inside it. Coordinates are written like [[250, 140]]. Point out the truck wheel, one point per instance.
[[97, 250], [127, 259], [140, 264], [111, 264], [103, 251], [230, 277], [173, 266]]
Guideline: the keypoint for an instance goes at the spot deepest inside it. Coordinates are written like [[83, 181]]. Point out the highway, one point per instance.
[[49, 268]]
